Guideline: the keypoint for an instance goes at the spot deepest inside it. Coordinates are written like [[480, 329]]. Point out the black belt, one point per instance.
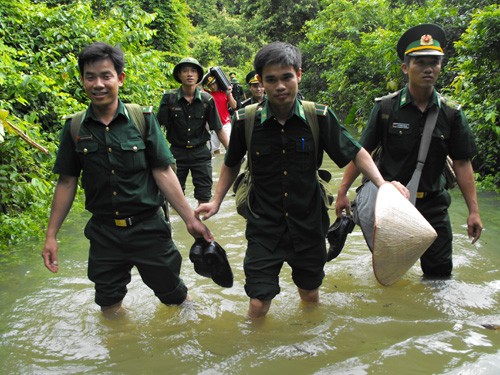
[[126, 221], [189, 147], [426, 194]]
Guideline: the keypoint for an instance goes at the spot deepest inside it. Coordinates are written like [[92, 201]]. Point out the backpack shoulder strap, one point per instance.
[[250, 111], [172, 97], [205, 96], [386, 105], [76, 124], [312, 110], [137, 114], [312, 120], [450, 107]]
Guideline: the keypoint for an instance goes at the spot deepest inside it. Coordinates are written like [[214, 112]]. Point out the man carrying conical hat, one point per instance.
[[395, 128]]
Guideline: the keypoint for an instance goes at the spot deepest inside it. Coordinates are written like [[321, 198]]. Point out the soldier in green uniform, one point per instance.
[[399, 135], [184, 113], [125, 176], [289, 220], [238, 93], [256, 89]]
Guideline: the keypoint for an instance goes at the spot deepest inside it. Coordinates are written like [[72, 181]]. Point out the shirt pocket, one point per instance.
[[262, 156], [304, 152], [402, 137], [88, 153], [133, 156], [441, 137]]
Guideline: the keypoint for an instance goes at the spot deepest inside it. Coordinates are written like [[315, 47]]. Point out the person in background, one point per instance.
[[256, 89], [125, 177], [421, 51], [238, 92], [223, 100], [289, 218], [185, 113]]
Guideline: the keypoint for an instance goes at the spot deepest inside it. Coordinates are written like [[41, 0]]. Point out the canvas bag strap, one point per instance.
[[430, 123], [312, 120], [250, 111]]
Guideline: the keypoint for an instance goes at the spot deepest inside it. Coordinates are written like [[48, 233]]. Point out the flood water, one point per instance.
[[49, 323]]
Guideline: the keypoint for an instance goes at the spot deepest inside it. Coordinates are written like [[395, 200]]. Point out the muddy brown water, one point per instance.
[[49, 324]]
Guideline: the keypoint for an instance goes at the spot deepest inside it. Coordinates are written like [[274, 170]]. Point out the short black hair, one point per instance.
[[100, 51], [280, 53]]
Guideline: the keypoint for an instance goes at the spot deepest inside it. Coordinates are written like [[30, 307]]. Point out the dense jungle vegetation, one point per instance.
[[348, 51]]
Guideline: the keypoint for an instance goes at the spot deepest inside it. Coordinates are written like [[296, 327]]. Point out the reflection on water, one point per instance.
[[50, 324]]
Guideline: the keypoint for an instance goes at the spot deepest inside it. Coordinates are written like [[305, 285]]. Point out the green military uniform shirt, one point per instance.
[[400, 138], [185, 122], [115, 162], [285, 192]]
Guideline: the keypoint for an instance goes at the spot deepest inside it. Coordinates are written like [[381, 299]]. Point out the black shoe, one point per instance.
[[216, 258], [337, 234], [196, 256]]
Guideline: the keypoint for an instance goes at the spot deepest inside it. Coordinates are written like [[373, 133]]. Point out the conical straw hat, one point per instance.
[[401, 235]]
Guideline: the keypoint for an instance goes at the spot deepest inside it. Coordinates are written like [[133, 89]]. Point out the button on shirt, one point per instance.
[[285, 192], [186, 122], [400, 138], [115, 162]]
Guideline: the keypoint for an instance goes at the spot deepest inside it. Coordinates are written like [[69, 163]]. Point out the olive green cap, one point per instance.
[[422, 40], [188, 61]]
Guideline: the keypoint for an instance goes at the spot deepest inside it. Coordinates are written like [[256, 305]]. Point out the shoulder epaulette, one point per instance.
[[240, 114], [450, 103], [147, 109], [388, 96], [205, 96], [321, 109]]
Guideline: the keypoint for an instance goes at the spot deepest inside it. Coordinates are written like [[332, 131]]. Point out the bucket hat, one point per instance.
[[401, 235], [188, 61]]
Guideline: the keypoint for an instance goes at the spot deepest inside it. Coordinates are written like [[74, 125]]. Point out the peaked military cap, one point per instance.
[[251, 77], [188, 61], [422, 40], [208, 80]]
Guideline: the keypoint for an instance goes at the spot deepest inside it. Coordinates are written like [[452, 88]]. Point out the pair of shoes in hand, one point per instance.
[[337, 234], [210, 260]]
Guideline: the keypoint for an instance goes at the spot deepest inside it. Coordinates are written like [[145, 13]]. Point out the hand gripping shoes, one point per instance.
[[337, 234], [210, 260]]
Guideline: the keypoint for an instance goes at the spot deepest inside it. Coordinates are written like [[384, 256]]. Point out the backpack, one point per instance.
[[243, 182], [136, 113], [386, 107], [172, 98]]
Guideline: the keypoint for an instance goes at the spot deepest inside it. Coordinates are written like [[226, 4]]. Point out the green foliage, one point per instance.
[[171, 24], [477, 84], [224, 39], [349, 58], [24, 183], [279, 20], [39, 83], [206, 49]]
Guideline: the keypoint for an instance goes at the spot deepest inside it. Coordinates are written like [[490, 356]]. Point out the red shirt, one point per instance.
[[221, 102]]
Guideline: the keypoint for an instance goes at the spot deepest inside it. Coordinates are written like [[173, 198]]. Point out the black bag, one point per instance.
[[449, 174], [221, 78]]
